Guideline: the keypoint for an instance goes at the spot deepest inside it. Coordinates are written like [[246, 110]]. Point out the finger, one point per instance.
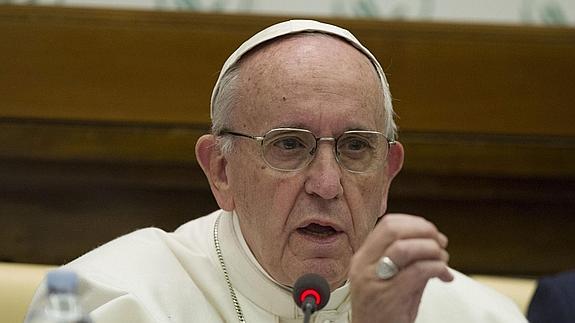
[[407, 251], [443, 240], [392, 227], [421, 271], [405, 226]]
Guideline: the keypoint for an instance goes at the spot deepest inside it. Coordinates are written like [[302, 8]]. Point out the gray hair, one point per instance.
[[227, 94], [223, 105]]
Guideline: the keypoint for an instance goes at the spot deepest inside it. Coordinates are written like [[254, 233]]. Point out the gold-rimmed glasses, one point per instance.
[[291, 149]]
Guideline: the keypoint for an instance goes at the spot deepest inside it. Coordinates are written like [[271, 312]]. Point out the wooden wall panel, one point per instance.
[[100, 110], [130, 65]]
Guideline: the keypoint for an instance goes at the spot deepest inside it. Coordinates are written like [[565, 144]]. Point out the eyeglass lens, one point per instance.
[[293, 149]]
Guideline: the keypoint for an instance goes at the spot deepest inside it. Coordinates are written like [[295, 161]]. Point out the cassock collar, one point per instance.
[[251, 280]]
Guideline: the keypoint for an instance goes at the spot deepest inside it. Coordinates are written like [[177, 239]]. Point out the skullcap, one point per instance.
[[287, 28]]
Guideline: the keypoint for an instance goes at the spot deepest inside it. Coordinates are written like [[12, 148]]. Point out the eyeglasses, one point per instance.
[[291, 149]]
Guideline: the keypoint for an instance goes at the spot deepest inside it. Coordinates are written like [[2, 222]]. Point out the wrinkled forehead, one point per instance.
[[289, 28]]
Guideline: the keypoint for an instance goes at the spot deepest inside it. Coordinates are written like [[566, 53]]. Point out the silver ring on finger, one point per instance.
[[386, 268]]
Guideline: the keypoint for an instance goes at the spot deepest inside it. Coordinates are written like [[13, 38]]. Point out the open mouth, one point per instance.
[[317, 230]]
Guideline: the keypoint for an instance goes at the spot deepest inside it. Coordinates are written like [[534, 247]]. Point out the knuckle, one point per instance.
[[427, 270], [399, 247], [389, 229], [431, 229], [386, 221], [445, 256], [418, 269], [436, 253]]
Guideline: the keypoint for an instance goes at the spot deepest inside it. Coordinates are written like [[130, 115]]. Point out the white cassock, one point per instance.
[[155, 276]]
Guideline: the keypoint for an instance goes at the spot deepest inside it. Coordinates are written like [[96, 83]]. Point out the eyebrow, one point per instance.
[[302, 126], [291, 125], [359, 129], [299, 126]]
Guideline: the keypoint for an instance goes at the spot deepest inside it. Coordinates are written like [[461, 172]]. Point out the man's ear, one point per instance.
[[214, 164], [394, 160], [394, 165]]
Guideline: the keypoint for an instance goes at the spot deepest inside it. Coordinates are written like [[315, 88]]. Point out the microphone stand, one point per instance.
[[308, 308]]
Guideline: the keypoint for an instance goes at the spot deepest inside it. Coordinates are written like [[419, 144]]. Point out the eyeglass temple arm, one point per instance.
[[233, 133]]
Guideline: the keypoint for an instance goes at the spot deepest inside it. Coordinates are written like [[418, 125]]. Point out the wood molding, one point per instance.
[[150, 66], [173, 144]]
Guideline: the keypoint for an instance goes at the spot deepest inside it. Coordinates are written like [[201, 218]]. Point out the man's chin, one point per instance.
[[331, 269]]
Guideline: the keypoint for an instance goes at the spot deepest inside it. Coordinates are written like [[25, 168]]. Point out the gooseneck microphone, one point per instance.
[[310, 293]]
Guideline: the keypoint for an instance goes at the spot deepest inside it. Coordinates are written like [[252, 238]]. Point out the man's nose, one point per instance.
[[324, 173]]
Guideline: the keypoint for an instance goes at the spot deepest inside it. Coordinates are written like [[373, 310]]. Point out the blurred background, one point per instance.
[[101, 102]]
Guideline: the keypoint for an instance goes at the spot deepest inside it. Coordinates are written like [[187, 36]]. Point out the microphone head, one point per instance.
[[311, 285]]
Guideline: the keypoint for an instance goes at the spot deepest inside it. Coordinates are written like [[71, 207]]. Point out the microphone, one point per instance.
[[310, 293]]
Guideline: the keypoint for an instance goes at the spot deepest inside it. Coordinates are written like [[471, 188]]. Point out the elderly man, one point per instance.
[[300, 160]]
